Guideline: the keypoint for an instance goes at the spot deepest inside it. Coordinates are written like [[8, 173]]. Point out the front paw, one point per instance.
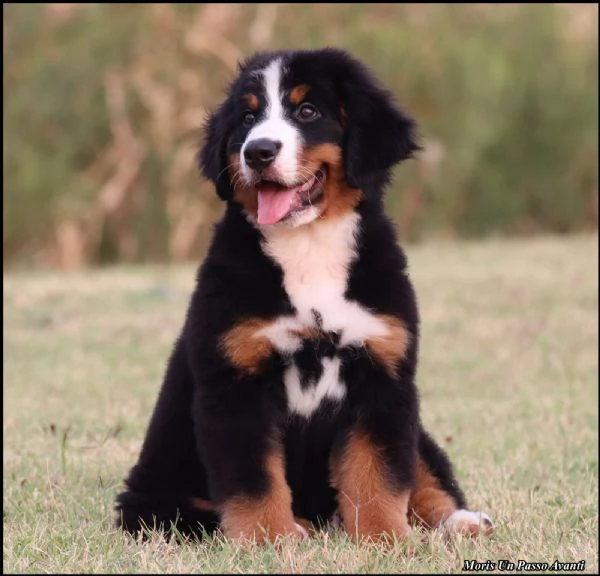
[[260, 528], [376, 525], [261, 534], [400, 532]]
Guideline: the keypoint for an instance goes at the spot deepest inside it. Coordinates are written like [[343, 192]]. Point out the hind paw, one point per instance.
[[468, 523]]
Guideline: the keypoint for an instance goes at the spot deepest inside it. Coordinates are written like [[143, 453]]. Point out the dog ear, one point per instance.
[[213, 155], [378, 134]]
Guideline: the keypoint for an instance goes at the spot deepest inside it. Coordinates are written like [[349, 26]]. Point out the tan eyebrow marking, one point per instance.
[[252, 101], [298, 93]]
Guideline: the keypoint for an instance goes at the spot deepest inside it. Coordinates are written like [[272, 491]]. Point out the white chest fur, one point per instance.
[[315, 259]]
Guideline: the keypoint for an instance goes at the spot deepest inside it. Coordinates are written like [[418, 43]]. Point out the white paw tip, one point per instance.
[[301, 530], [335, 520], [469, 523]]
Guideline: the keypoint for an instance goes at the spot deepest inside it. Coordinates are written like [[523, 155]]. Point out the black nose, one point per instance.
[[261, 152]]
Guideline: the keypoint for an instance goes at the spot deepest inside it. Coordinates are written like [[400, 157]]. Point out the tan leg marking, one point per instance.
[[243, 348], [264, 518], [391, 348], [429, 504], [369, 506]]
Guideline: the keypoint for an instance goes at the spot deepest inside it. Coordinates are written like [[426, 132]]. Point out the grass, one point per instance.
[[508, 379]]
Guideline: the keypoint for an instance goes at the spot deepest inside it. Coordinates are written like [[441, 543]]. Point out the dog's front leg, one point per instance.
[[262, 515], [373, 462], [239, 414], [237, 424]]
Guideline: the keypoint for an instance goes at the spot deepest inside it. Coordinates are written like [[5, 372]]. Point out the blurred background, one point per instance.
[[103, 105]]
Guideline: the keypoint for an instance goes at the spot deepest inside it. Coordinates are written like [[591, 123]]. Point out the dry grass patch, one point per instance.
[[508, 379]]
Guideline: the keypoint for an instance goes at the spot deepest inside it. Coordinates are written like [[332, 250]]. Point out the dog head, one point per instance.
[[303, 135]]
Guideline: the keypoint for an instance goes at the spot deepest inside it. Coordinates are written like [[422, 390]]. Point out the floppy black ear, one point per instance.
[[213, 154], [378, 134]]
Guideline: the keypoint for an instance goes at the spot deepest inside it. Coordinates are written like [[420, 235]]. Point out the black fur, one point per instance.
[[212, 426]]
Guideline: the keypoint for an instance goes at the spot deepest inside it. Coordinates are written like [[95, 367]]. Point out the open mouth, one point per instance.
[[277, 202]]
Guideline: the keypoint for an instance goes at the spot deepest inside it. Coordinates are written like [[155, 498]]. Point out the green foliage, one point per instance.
[[506, 97]]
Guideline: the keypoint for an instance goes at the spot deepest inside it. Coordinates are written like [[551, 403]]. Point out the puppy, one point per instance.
[[289, 397]]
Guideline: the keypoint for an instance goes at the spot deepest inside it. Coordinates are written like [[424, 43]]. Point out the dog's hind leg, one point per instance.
[[437, 500], [167, 487]]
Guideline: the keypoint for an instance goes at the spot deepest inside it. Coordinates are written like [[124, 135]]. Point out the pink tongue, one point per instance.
[[273, 205]]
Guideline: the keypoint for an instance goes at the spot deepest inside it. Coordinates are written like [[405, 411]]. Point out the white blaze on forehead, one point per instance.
[[275, 126]]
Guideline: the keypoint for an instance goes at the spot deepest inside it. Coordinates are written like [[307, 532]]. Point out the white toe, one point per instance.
[[302, 530], [336, 520], [469, 522]]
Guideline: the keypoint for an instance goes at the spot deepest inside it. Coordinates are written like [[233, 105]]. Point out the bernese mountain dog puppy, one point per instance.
[[289, 398]]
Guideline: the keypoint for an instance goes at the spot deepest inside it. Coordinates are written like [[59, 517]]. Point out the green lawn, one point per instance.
[[508, 379]]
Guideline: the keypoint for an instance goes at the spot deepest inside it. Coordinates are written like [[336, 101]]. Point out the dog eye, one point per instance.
[[307, 112], [249, 119]]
